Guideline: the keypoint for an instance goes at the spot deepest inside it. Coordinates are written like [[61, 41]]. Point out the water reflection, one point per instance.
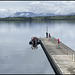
[[16, 55]]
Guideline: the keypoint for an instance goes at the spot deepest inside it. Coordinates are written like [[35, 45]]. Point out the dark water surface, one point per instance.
[[16, 55]]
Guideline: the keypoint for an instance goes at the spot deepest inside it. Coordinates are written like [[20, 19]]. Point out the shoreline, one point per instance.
[[42, 18]]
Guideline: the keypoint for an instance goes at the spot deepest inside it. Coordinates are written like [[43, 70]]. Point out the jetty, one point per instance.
[[60, 56]]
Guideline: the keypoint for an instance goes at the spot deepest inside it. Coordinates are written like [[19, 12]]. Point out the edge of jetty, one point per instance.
[[60, 56]]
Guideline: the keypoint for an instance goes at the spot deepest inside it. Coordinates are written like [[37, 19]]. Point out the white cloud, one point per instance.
[[57, 7], [35, 2], [4, 12]]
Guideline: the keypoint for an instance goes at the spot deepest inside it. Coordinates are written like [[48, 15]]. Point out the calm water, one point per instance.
[[16, 55]]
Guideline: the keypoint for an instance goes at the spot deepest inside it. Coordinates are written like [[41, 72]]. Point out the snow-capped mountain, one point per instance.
[[23, 14], [31, 14], [47, 14]]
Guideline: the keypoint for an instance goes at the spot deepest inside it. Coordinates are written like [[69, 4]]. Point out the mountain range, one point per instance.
[[31, 14]]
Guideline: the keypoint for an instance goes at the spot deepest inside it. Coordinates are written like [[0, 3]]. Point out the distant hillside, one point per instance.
[[32, 14], [38, 18], [23, 14], [55, 18], [15, 19]]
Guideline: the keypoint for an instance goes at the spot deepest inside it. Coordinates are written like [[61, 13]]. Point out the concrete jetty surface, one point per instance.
[[62, 59]]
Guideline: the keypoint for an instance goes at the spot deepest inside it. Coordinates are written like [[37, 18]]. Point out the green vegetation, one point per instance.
[[55, 18], [38, 18], [15, 19]]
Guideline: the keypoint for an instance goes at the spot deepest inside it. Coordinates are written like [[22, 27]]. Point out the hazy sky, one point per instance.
[[58, 7]]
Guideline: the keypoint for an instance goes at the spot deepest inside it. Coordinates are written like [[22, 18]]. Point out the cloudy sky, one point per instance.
[[57, 7]]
